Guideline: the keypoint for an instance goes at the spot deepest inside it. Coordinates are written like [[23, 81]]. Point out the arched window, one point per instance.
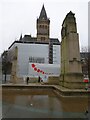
[[45, 27]]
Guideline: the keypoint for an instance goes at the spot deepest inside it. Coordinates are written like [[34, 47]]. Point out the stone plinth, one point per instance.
[[72, 81], [13, 79], [53, 80]]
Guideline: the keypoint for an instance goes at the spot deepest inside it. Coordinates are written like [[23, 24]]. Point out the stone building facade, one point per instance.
[[38, 48]]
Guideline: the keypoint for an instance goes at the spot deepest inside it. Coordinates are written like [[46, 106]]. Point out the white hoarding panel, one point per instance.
[[43, 70]]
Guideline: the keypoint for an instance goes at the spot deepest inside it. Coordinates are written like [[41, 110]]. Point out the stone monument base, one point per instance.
[[72, 81], [15, 80], [53, 80]]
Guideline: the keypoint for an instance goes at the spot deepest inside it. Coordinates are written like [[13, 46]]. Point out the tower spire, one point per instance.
[[43, 14], [20, 37]]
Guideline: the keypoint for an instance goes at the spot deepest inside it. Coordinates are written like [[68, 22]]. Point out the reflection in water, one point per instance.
[[42, 103], [75, 104]]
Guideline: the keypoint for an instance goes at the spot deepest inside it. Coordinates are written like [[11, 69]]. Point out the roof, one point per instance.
[[32, 40], [55, 41], [28, 38]]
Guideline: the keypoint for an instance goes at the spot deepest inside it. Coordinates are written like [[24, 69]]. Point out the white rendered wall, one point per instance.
[[48, 69], [26, 50]]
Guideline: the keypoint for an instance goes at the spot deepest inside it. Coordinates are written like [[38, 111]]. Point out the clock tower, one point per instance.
[[43, 26]]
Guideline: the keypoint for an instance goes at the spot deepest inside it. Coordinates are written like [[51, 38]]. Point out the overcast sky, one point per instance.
[[19, 16]]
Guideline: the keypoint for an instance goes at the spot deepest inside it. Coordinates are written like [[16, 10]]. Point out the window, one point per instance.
[[45, 27], [36, 60], [40, 26]]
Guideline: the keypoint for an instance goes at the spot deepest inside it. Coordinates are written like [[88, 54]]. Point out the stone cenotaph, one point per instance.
[[71, 71]]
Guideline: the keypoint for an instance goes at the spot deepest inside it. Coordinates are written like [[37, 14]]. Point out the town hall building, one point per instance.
[[36, 56]]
